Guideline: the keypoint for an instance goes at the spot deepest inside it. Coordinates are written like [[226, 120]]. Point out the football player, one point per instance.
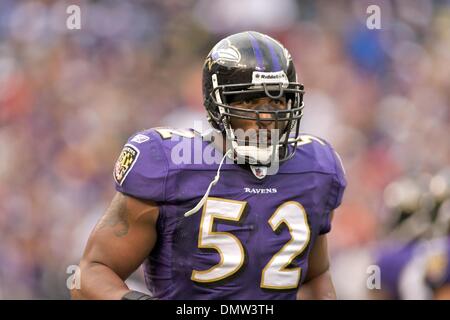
[[417, 270], [414, 264], [231, 229]]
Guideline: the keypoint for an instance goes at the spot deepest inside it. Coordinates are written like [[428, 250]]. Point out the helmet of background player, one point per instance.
[[410, 206], [247, 66], [440, 190], [440, 185]]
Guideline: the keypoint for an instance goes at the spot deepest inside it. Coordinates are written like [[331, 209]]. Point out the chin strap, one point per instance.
[[255, 154], [213, 183]]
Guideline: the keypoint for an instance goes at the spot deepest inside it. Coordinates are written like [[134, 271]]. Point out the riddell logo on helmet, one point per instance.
[[259, 77], [270, 76]]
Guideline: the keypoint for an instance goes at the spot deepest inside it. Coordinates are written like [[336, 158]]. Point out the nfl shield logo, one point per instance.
[[259, 172]]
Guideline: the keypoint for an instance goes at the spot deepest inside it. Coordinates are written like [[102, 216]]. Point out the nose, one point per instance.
[[266, 124]]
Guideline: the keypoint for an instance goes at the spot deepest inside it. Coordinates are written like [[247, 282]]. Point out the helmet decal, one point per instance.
[[275, 59], [223, 52], [257, 52]]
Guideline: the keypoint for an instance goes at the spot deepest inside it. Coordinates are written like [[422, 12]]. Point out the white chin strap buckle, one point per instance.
[[256, 155]]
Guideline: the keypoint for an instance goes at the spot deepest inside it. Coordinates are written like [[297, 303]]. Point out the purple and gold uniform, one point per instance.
[[392, 260], [437, 266], [252, 238], [413, 270]]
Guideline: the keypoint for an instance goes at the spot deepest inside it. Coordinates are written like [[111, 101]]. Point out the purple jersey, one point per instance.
[[412, 270], [437, 267], [253, 236], [392, 260]]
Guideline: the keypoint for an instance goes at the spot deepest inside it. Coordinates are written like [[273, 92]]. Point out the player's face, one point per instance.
[[267, 125]]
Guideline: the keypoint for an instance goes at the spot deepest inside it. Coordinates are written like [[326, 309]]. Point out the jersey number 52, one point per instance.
[[275, 274]]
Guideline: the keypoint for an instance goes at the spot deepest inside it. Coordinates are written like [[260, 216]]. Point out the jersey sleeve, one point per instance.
[[141, 169], [336, 193]]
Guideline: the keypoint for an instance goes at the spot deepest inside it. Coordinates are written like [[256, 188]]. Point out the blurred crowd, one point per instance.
[[69, 99]]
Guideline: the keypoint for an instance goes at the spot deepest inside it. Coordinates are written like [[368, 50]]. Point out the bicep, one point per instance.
[[318, 261], [318, 283], [124, 236]]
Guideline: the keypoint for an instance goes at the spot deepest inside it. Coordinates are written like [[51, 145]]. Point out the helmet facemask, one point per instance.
[[267, 145]]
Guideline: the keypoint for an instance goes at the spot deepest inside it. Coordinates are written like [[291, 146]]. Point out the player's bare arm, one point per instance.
[[119, 243], [318, 283]]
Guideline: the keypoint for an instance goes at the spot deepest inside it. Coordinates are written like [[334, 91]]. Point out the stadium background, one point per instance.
[[70, 98]]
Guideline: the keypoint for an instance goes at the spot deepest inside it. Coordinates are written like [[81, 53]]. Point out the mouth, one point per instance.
[[262, 138], [257, 141]]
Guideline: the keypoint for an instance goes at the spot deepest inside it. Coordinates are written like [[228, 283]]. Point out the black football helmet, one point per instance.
[[250, 65]]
